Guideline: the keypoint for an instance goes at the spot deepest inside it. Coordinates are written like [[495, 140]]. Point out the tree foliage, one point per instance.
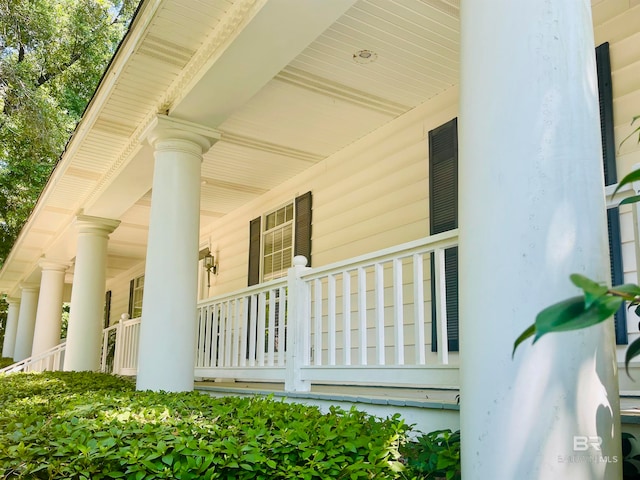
[[52, 56]]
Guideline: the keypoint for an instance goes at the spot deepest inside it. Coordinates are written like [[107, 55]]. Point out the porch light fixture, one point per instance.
[[211, 266], [365, 56]]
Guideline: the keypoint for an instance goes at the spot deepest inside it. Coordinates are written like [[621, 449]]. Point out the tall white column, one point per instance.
[[26, 322], [168, 328], [84, 333], [11, 328], [531, 213], [49, 313]]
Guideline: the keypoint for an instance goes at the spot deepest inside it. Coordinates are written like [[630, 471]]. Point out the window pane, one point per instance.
[[270, 221], [268, 244]]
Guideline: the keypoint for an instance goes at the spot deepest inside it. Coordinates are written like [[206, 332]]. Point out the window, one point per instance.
[[276, 237], [277, 241], [136, 289]]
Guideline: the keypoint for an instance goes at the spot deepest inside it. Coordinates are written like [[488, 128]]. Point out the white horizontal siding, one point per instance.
[[369, 196]]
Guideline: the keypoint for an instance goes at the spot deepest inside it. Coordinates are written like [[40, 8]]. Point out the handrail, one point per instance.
[[440, 240], [278, 282], [23, 364]]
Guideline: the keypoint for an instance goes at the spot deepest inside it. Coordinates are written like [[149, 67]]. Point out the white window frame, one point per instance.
[[265, 232], [136, 297]]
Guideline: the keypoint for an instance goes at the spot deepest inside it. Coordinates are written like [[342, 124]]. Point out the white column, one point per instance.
[[49, 313], [531, 213], [84, 333], [26, 322], [11, 328], [168, 328]]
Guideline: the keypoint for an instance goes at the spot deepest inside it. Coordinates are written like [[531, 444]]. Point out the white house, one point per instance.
[[371, 137]]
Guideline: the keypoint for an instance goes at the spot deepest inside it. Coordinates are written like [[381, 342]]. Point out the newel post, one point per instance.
[[297, 327]]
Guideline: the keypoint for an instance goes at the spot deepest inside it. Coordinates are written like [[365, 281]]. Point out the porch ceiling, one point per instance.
[[278, 79]]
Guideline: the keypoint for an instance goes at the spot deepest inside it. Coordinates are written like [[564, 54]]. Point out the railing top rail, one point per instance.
[[624, 192], [262, 287], [426, 244], [109, 328], [131, 321]]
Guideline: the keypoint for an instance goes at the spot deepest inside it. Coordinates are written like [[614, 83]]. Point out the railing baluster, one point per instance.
[[346, 317], [208, 343], [262, 313], [222, 334], [229, 334], [253, 325], [200, 345], [362, 314], [271, 330], [331, 319], [317, 326], [282, 325], [441, 306], [379, 292], [418, 308], [244, 329], [237, 329], [398, 311]]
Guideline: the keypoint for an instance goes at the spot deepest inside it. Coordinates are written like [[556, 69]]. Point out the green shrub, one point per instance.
[[93, 426], [433, 455], [6, 361]]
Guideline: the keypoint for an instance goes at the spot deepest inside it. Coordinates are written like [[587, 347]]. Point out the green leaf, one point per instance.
[[592, 290], [628, 288], [630, 200], [571, 314], [633, 351], [637, 130], [587, 284], [629, 178], [523, 336]]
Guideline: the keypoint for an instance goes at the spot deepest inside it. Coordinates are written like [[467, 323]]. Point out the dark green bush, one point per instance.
[[92, 426], [6, 361], [433, 455]]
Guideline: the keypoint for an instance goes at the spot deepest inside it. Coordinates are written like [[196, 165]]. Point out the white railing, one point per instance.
[[368, 319], [120, 347], [242, 335], [49, 360], [365, 320]]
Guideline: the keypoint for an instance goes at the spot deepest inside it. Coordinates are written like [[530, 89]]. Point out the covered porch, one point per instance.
[[371, 137]]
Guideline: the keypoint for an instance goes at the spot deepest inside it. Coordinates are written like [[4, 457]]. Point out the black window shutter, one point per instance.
[[132, 286], [107, 309], [443, 216], [603, 66], [302, 246], [254, 251]]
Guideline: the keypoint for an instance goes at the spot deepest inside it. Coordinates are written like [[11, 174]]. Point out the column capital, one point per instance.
[[29, 287], [165, 129], [96, 225], [13, 300], [53, 265]]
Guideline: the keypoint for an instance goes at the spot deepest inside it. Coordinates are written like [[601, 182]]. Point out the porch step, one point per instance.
[[446, 399]]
